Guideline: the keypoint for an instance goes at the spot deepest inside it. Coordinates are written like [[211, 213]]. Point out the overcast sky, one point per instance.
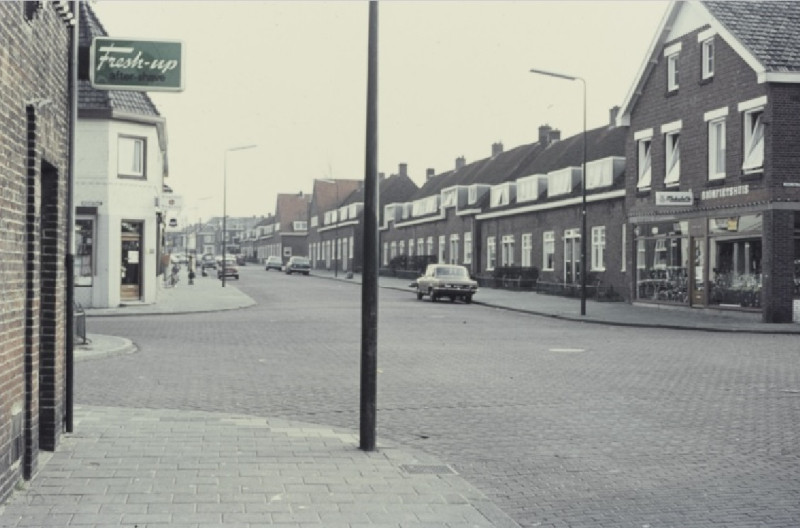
[[454, 78]]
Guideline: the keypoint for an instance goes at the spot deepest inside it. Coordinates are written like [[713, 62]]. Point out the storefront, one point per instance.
[[716, 262]]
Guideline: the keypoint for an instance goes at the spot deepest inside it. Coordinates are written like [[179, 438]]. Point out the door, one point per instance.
[[131, 268], [697, 280], [572, 256]]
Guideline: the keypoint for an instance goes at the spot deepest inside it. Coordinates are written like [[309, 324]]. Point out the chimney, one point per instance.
[[497, 148], [555, 135], [544, 134], [461, 161], [381, 175], [612, 114], [429, 173], [403, 168]]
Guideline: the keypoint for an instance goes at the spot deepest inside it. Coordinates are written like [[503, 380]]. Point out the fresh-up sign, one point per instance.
[[141, 65]]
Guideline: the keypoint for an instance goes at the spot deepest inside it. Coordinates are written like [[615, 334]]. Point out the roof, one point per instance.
[[329, 194], [763, 33], [768, 30], [105, 102]]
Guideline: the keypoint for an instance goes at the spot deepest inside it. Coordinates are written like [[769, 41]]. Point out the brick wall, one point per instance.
[[34, 103]]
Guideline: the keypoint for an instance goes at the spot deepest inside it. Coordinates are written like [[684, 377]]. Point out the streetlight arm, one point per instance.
[[555, 74]]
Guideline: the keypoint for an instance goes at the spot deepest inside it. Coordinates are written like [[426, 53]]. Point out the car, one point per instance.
[[274, 263], [446, 280], [207, 262], [240, 261], [298, 265], [229, 269]]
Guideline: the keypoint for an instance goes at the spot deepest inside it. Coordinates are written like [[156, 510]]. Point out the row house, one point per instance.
[[534, 218], [285, 235], [713, 191], [337, 241], [120, 196], [37, 93]]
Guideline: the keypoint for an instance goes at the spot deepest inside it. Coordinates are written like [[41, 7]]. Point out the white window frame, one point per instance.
[[645, 163], [491, 253], [548, 250], [420, 246], [624, 247], [410, 247], [672, 149], [673, 72], [440, 255], [707, 54], [599, 248], [351, 247], [508, 247], [467, 247], [527, 250], [753, 154], [429, 246], [401, 247], [717, 148], [385, 253], [131, 156], [392, 250], [454, 250]]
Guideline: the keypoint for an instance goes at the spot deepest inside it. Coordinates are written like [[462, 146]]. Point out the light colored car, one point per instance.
[[274, 262], [446, 280], [298, 265], [229, 269]]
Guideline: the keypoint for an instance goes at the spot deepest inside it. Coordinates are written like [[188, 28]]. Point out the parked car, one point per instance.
[[446, 280], [298, 265], [207, 262], [229, 268], [275, 263], [240, 261]]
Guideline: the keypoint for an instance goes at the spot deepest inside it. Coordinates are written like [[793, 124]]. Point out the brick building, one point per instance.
[[713, 192], [36, 103]]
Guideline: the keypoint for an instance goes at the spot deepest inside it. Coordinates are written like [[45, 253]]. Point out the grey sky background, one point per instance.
[[454, 78]]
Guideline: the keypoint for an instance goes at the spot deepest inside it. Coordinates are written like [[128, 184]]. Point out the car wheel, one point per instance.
[[236, 277], [305, 273], [468, 299], [433, 296], [419, 294]]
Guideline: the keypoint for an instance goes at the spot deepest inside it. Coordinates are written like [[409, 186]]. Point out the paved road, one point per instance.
[[559, 423]]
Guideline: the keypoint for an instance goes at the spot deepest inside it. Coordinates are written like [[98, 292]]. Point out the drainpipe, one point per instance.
[[69, 264]]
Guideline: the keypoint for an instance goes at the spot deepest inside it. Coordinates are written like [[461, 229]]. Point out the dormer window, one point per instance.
[[449, 197], [502, 194]]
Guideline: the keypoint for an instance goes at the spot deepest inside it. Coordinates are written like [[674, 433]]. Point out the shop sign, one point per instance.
[[725, 192], [684, 198], [139, 65]]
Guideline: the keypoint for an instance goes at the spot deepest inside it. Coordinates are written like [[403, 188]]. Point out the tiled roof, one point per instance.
[[89, 98], [769, 30], [600, 143]]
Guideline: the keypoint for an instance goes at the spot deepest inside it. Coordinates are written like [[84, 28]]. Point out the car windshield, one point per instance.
[[298, 260], [450, 272]]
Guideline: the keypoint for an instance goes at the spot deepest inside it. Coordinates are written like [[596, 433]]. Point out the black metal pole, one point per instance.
[[584, 233], [224, 213], [69, 264], [369, 286]]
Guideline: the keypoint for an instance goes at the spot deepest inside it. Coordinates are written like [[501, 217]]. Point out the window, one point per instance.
[[429, 244], [442, 247], [385, 253], [660, 254], [624, 247], [548, 250], [645, 165], [641, 254], [299, 225], [708, 58], [420, 246], [449, 197], [410, 247], [527, 248], [392, 250], [672, 72], [454, 252], [599, 248], [84, 245], [351, 247], [468, 247], [130, 157], [672, 148], [491, 253], [507, 255], [401, 248], [716, 149], [753, 140]]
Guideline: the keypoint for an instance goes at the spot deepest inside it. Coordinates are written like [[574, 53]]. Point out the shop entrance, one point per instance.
[[697, 280], [131, 268]]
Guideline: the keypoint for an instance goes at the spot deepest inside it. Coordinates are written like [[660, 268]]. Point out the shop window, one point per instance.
[[85, 251], [735, 250], [662, 262]]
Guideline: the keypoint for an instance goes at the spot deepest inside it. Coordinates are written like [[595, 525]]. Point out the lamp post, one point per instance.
[[584, 234], [225, 205]]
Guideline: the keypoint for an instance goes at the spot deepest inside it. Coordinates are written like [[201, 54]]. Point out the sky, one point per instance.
[[290, 77]]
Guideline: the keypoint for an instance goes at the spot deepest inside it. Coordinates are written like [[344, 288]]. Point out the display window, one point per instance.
[[84, 250], [735, 250], [662, 262]]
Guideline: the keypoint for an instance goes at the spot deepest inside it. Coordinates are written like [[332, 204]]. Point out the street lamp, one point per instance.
[[225, 205], [584, 234]]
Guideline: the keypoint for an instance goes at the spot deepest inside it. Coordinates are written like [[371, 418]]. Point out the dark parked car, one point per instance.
[[298, 265], [275, 263], [208, 262], [446, 280], [228, 268]]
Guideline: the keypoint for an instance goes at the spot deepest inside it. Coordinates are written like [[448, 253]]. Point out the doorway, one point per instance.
[[131, 268], [572, 256]]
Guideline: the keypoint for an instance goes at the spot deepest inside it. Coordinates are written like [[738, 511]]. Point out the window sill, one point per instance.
[[671, 92], [752, 174], [641, 193], [672, 185], [706, 80]]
